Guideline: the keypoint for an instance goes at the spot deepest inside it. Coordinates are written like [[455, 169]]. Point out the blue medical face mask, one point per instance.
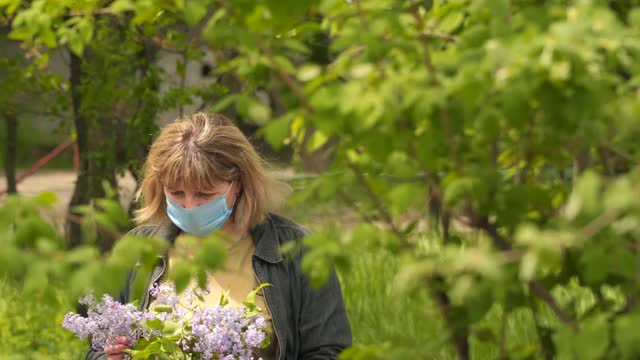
[[202, 219]]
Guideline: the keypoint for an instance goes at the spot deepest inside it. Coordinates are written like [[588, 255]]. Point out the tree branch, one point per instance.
[[443, 116], [197, 29], [439, 35], [363, 19], [542, 337], [293, 85], [347, 199], [79, 219], [502, 354], [444, 122], [376, 201], [459, 336], [598, 224], [424, 41], [542, 292], [183, 81], [99, 11], [534, 285]]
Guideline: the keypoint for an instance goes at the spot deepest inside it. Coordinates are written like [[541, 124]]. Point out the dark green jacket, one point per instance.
[[309, 323]]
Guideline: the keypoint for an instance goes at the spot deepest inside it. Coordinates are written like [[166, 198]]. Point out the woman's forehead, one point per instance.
[[212, 186]]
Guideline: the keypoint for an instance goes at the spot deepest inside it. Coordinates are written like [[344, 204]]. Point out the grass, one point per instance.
[[30, 326]]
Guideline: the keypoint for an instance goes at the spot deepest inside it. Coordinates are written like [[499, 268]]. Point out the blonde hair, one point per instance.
[[200, 151]]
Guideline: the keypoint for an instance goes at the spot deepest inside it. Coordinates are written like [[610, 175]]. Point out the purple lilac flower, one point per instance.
[[220, 332], [226, 332], [105, 321]]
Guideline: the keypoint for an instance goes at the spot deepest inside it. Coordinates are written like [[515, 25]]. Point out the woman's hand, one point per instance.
[[114, 352]]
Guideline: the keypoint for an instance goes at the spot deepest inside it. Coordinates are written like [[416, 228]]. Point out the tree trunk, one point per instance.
[[81, 190], [581, 162], [320, 159], [11, 150], [94, 140], [137, 136]]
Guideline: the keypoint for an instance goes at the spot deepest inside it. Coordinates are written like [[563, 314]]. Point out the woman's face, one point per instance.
[[190, 198]]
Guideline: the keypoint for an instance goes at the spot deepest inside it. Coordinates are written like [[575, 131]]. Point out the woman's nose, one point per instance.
[[190, 202]]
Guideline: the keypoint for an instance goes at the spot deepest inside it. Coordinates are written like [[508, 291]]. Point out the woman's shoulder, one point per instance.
[[277, 229], [286, 226], [281, 222]]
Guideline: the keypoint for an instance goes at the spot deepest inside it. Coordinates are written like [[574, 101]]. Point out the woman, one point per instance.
[[203, 175]]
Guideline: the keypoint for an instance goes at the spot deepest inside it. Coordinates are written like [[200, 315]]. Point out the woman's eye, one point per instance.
[[176, 193], [205, 195]]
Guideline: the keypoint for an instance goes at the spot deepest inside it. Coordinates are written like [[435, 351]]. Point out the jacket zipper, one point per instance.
[[164, 267], [266, 302]]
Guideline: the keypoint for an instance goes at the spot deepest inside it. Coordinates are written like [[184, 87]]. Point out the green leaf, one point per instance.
[[162, 309], [85, 29], [180, 274], [480, 302], [155, 324], [308, 72], [31, 229], [114, 212], [194, 11], [634, 17], [276, 131], [251, 297], [224, 298], [172, 329], [202, 278], [11, 5], [48, 38], [485, 334], [119, 6], [589, 343], [560, 71], [47, 198], [403, 197], [318, 139], [451, 22], [584, 199], [285, 64], [360, 70], [457, 190], [258, 112], [224, 103], [76, 45], [82, 254], [212, 253], [626, 335]]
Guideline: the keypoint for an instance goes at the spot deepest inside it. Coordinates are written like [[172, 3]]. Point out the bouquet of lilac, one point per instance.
[[174, 326]]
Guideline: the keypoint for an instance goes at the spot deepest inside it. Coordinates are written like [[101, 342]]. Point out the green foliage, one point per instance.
[[488, 146], [30, 325], [204, 256]]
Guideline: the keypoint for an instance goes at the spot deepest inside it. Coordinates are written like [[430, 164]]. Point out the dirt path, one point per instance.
[[62, 183]]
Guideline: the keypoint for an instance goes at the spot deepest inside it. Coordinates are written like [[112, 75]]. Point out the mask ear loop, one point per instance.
[[229, 188], [227, 192]]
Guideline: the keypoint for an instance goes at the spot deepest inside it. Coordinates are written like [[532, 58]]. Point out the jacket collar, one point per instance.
[[266, 240]]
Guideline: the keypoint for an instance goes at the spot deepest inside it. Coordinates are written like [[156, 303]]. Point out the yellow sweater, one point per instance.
[[238, 280]]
